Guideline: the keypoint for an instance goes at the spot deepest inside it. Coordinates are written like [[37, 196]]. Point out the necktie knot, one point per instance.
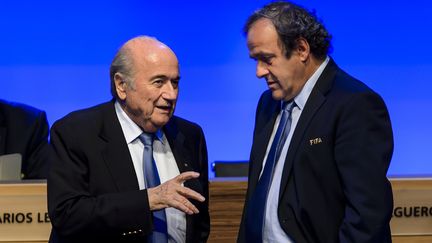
[[288, 105], [147, 139]]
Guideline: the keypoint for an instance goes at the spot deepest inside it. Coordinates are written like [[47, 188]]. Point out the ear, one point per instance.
[[120, 85], [303, 49]]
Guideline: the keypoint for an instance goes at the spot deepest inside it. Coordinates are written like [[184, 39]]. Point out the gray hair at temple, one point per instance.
[[293, 22], [123, 64]]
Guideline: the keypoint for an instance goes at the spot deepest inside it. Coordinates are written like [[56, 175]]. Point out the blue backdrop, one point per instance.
[[55, 55]]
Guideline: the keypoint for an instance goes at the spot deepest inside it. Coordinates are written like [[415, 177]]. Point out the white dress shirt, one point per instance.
[[166, 166], [272, 231]]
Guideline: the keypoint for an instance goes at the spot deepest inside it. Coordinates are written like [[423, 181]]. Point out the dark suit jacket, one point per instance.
[[334, 186], [24, 130], [93, 192]]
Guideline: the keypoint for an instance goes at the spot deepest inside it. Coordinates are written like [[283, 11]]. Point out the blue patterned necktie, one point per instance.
[[151, 177], [254, 220]]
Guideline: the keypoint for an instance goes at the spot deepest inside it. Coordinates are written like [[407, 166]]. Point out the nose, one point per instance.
[[169, 92], [261, 69]]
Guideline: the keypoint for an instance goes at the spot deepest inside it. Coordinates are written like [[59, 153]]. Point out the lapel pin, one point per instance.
[[315, 141]]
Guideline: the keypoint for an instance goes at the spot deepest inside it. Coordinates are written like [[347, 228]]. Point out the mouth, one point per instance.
[[165, 108], [272, 84]]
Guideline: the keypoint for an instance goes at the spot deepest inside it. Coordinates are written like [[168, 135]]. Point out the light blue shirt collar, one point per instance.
[[130, 129]]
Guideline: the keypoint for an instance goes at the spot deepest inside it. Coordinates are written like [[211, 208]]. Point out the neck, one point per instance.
[[312, 64]]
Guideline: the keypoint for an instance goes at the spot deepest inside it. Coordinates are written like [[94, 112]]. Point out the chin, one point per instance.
[[161, 121], [278, 95]]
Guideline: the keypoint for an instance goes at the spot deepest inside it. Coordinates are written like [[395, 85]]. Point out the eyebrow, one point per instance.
[[164, 77], [262, 55]]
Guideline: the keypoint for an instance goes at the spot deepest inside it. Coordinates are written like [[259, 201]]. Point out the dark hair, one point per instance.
[[293, 22]]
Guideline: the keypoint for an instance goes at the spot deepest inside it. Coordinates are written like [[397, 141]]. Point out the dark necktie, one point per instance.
[[254, 220], [151, 177]]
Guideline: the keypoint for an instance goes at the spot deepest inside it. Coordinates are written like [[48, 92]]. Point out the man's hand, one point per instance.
[[172, 194]]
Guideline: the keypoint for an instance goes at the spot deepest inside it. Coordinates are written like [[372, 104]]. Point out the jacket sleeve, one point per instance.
[[363, 150]]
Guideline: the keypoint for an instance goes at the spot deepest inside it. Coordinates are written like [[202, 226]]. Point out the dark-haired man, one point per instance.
[[128, 170], [322, 140], [24, 130]]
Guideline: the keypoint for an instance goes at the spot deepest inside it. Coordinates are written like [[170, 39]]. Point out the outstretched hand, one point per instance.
[[173, 194]]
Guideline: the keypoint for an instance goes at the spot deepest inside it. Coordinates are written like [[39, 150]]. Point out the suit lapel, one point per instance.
[[115, 151], [182, 153], [314, 102], [265, 125], [176, 141]]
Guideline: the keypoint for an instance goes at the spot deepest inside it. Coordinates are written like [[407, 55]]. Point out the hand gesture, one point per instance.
[[173, 194]]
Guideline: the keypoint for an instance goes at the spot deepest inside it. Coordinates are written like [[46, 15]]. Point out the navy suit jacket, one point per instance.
[[334, 186], [24, 130], [93, 192]]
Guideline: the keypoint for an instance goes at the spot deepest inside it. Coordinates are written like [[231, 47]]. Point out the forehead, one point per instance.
[[156, 62], [262, 36]]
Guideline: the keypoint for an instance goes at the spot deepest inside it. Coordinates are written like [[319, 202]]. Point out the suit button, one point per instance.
[[284, 221]]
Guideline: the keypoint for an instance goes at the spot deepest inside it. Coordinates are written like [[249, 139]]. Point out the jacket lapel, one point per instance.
[[182, 154], [265, 123], [115, 151], [314, 102], [176, 140]]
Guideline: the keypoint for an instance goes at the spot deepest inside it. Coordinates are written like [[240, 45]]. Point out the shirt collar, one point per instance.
[[303, 96], [130, 129]]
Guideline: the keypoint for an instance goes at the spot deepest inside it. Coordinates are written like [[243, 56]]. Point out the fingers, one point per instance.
[[172, 194], [181, 203], [186, 176], [189, 193]]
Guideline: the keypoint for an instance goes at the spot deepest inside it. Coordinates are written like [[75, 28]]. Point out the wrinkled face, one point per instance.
[[151, 97], [285, 77]]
